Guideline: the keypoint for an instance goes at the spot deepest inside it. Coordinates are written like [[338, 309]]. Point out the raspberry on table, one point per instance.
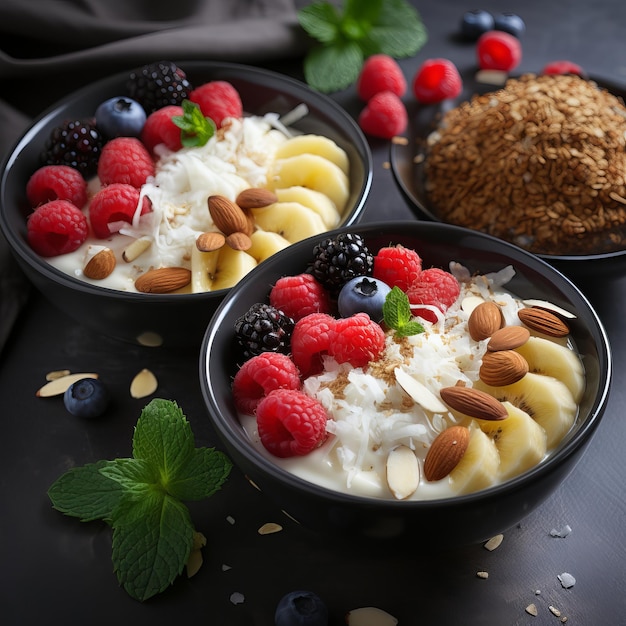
[[113, 204], [217, 100], [310, 341], [434, 287], [125, 160], [300, 295], [157, 85], [56, 182], [357, 340], [261, 374], [384, 116], [397, 266], [291, 423], [160, 129], [56, 227], [497, 50], [263, 328], [563, 67], [380, 72], [437, 80]]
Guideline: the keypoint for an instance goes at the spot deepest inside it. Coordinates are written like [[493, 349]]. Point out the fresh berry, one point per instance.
[[56, 182], [299, 295], [384, 116], [397, 266], [125, 160], [363, 294], [563, 67], [497, 50], [120, 117], [87, 397], [357, 340], [217, 100], [291, 423], [263, 328], [509, 23], [475, 23], [57, 227], [338, 259], [160, 129], [157, 85], [310, 341], [76, 143], [261, 374], [113, 206], [434, 287], [437, 80], [301, 608], [380, 72]]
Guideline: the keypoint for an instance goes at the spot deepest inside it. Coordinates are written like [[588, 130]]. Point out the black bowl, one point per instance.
[[464, 519], [407, 164], [180, 319]]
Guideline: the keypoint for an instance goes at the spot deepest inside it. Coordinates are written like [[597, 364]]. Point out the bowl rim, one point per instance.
[[568, 447]]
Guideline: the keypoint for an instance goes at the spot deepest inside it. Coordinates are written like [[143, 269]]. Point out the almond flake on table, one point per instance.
[[270, 528], [562, 532], [494, 542], [567, 580], [237, 598]]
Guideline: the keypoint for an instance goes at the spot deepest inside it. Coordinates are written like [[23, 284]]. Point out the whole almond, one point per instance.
[[207, 242], [163, 280], [445, 452], [508, 338], [255, 198], [473, 402], [484, 320], [503, 367], [543, 321], [239, 241], [100, 265], [228, 216]]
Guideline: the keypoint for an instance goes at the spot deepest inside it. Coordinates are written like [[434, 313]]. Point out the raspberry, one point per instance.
[[436, 80], [158, 85], [56, 182], [263, 328], [299, 295], [397, 266], [290, 423], [125, 160], [357, 340], [497, 50], [159, 128], [380, 72], [384, 116], [260, 375], [563, 67], [112, 205], [310, 340], [217, 100], [434, 287], [57, 227]]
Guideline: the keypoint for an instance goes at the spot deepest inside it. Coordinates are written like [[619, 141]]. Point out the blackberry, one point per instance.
[[264, 328], [157, 85], [76, 143], [336, 260]]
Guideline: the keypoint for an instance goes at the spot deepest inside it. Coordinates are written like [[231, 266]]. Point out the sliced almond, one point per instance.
[[494, 542], [101, 262], [445, 452], [194, 563], [469, 303], [163, 280], [484, 320], [370, 616], [143, 384], [228, 216], [419, 392], [503, 367], [403, 472], [59, 385], [239, 241], [270, 528], [550, 306], [57, 374], [473, 402], [508, 338], [543, 321], [135, 249], [256, 198], [208, 242]]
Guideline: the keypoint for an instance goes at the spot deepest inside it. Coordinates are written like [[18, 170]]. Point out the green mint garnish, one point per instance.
[[195, 129], [345, 39], [397, 314], [141, 497]]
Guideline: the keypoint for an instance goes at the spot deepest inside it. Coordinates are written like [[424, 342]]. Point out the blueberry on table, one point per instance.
[[363, 294], [120, 117], [509, 23], [301, 608], [475, 23], [86, 398]]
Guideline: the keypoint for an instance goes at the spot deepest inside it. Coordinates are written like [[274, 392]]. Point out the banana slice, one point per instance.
[[553, 359], [478, 469], [314, 172], [312, 199], [291, 220], [315, 144], [203, 266], [545, 398], [521, 442], [219, 269], [265, 244]]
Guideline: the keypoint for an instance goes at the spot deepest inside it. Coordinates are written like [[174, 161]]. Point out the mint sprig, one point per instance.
[[195, 128], [346, 38], [397, 314], [141, 497]]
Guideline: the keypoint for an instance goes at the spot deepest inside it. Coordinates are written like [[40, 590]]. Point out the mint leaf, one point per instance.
[[130, 474], [397, 314], [321, 21], [203, 475], [345, 58], [195, 128]]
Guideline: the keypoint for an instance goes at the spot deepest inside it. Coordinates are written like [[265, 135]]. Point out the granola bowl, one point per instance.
[[176, 319], [367, 506], [537, 162]]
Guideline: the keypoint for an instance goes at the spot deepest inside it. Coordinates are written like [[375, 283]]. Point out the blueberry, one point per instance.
[[363, 294], [86, 397], [120, 117], [301, 608], [510, 23], [475, 23]]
